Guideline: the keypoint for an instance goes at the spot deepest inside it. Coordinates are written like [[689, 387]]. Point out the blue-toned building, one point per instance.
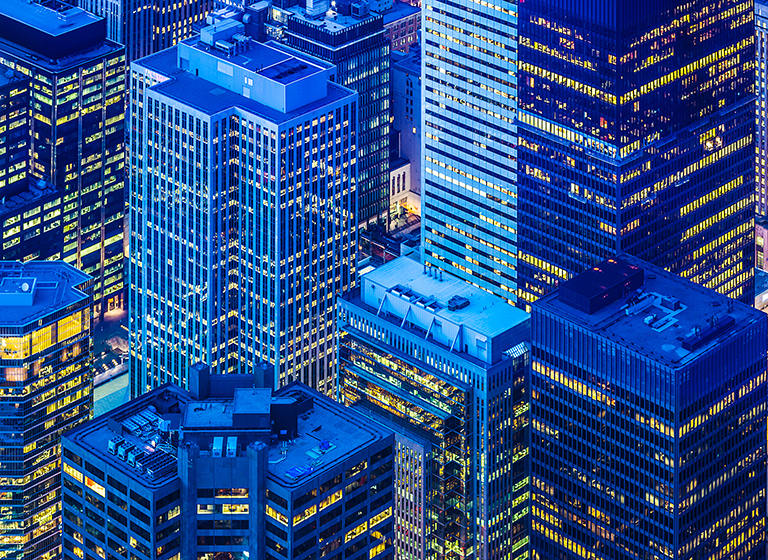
[[469, 171], [444, 364], [71, 133], [647, 419], [761, 90], [46, 341], [637, 134], [227, 470], [243, 225]]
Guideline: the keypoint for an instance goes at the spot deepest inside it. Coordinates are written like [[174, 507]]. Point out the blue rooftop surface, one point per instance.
[[659, 319], [57, 21], [398, 11], [50, 286]]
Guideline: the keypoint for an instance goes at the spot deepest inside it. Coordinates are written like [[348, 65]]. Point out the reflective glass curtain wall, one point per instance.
[[637, 134]]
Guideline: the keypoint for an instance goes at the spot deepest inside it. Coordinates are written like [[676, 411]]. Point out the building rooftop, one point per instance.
[[30, 291], [648, 309], [131, 432], [410, 62], [137, 437], [52, 30], [428, 289], [398, 11], [212, 92], [328, 434], [333, 21]]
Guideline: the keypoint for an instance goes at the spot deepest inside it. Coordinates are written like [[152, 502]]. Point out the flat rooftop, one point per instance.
[[332, 22], [56, 20], [329, 433], [211, 98], [668, 318], [486, 313], [134, 426], [51, 286], [398, 11]]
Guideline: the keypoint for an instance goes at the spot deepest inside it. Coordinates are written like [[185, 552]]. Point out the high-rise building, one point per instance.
[[647, 419], [75, 128], [761, 90], [173, 475], [469, 170], [352, 38], [45, 389], [243, 163], [443, 364], [637, 134], [148, 26]]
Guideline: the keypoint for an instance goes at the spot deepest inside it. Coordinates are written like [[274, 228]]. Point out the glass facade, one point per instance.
[[45, 389], [637, 134], [242, 226], [761, 90], [644, 444], [469, 171], [360, 52], [76, 142], [454, 387]]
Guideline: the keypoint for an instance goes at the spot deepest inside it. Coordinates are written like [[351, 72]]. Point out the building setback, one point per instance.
[[243, 191], [75, 128], [228, 469], [647, 418], [45, 388], [443, 364], [637, 135]]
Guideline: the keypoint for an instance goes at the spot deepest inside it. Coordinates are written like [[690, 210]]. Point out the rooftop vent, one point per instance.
[[457, 302], [700, 337]]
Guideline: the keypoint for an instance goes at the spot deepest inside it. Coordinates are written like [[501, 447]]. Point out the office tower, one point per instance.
[[148, 26], [15, 92], [205, 475], [469, 175], [444, 365], [761, 242], [402, 22], [352, 38], [405, 182], [647, 416], [242, 224], [637, 134], [76, 139], [761, 90], [45, 389]]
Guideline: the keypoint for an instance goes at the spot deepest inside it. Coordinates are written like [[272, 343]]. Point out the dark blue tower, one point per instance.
[[636, 134]]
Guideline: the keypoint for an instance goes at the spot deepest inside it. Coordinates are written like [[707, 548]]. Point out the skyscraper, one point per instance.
[[444, 364], [761, 114], [242, 226], [247, 474], [45, 389], [76, 126], [148, 26], [469, 171], [637, 134], [352, 38], [647, 419]]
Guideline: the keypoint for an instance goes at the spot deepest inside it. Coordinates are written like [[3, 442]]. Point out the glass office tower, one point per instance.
[[444, 364], [242, 210], [76, 120], [637, 134], [647, 419], [45, 389], [469, 172]]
